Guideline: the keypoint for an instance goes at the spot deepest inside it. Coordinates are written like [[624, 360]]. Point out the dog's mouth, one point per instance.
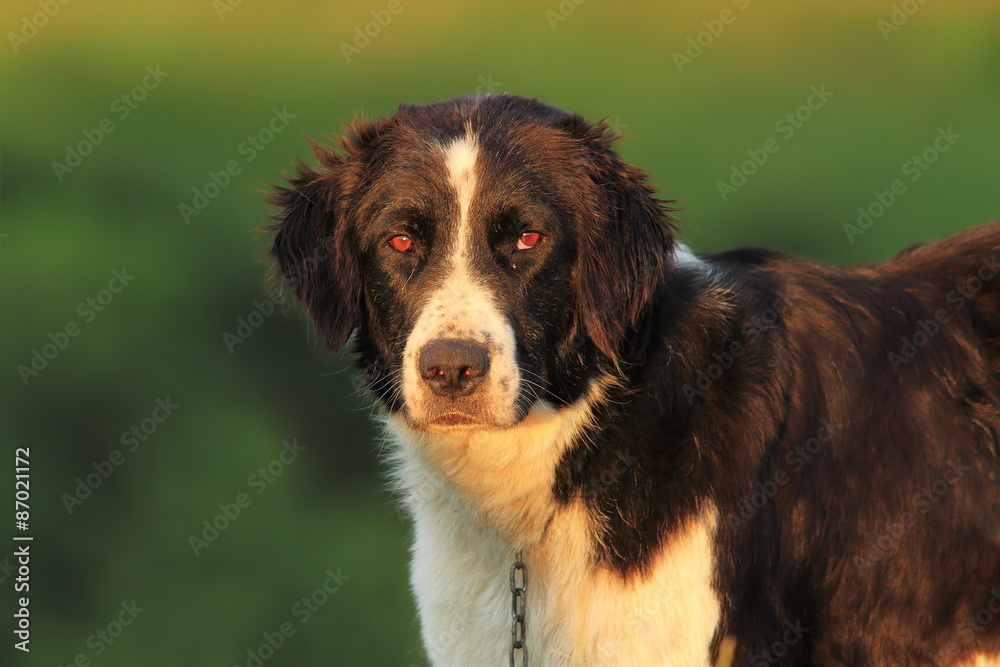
[[455, 422], [455, 419]]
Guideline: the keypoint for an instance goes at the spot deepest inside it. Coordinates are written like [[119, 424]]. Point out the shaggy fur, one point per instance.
[[746, 457]]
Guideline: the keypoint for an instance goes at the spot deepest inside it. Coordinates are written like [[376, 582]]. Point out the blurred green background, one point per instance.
[[223, 69]]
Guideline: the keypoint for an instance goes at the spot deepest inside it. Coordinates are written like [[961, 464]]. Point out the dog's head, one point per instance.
[[488, 251]]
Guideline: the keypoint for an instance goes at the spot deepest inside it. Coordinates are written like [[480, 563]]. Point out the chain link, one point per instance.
[[518, 647]]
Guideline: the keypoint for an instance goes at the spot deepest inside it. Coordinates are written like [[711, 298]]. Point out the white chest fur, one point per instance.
[[576, 614], [472, 500]]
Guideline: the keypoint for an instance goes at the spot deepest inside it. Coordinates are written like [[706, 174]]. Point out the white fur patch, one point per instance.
[[583, 616], [475, 497], [503, 477], [717, 289], [462, 308], [460, 161], [685, 258]]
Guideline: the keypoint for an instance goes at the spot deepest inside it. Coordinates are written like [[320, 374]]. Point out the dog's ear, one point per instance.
[[626, 243], [313, 251], [313, 243]]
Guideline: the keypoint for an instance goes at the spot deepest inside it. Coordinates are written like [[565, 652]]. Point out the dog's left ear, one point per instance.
[[313, 234], [312, 247], [627, 240]]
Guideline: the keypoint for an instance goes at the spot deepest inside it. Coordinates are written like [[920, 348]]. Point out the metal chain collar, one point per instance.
[[518, 647]]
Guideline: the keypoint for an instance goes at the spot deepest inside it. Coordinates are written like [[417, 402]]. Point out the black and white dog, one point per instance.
[[743, 459]]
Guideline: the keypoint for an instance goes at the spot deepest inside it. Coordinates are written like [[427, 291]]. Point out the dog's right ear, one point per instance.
[[313, 247], [627, 241]]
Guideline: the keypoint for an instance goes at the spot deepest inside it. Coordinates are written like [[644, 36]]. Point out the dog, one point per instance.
[[739, 459]]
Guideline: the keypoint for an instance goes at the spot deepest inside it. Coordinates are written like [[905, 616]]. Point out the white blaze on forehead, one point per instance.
[[460, 162], [461, 306]]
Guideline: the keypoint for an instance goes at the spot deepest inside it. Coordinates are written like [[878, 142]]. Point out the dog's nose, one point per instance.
[[453, 368]]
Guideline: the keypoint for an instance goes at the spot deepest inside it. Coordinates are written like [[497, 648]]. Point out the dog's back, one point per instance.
[[963, 267], [885, 476]]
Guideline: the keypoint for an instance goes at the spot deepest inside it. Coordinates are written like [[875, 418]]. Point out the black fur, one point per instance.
[[845, 422]]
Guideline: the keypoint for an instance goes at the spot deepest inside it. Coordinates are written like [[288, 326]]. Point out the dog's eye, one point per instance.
[[529, 240], [401, 243]]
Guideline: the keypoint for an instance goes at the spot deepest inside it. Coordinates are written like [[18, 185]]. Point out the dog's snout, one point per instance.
[[453, 368]]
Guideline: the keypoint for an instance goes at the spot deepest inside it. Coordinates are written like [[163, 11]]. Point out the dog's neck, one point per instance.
[[501, 478]]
